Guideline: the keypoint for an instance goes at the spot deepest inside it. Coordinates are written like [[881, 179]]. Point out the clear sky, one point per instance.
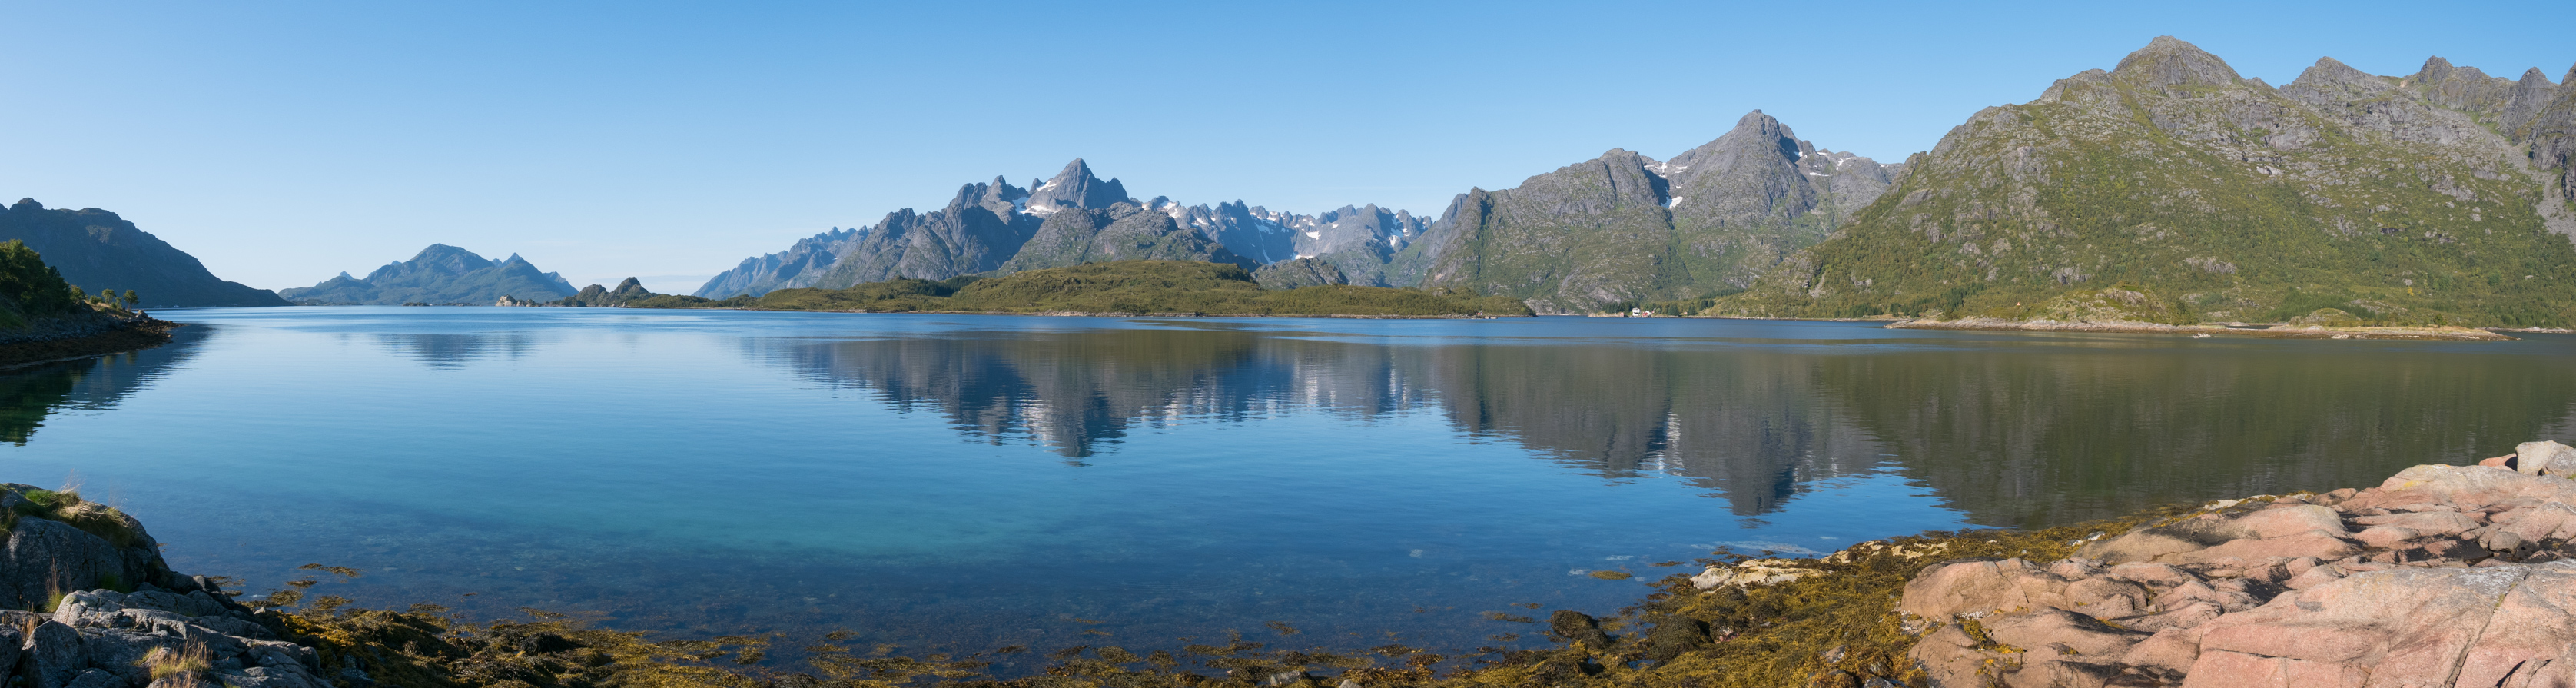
[[283, 142]]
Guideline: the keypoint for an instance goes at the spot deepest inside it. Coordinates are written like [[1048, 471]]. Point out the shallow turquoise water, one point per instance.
[[965, 482]]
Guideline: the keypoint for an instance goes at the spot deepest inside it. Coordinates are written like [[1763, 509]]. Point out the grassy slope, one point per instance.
[[1148, 286], [2088, 184]]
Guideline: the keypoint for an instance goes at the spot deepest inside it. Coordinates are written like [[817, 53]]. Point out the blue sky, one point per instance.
[[283, 142]]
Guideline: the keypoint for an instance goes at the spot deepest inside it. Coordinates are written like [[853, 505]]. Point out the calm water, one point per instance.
[[965, 482]]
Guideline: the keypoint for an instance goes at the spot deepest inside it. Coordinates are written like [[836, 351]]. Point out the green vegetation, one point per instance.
[[66, 507], [1137, 287], [30, 289], [2178, 190]]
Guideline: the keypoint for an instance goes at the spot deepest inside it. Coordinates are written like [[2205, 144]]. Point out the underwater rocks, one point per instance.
[[120, 617], [2442, 575]]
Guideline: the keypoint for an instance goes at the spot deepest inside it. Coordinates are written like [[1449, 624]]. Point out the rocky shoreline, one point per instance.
[[55, 339], [2282, 331], [2441, 575]]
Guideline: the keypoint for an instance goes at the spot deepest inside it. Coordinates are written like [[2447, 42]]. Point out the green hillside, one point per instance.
[[2219, 198], [1142, 286]]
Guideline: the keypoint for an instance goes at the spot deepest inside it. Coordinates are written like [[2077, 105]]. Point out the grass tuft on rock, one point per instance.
[[67, 507]]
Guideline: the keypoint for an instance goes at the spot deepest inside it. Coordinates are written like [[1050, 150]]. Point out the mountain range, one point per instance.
[[94, 249], [1569, 240], [2440, 197], [440, 274]]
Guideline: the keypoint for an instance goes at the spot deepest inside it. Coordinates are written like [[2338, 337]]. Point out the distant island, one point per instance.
[[440, 274], [1115, 288]]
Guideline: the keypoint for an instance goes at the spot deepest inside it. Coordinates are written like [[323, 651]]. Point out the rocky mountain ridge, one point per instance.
[[1760, 193], [1626, 227], [1071, 218], [439, 274]]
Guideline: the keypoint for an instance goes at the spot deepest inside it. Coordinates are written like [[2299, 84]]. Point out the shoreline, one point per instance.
[[2155, 595], [118, 337], [2278, 331], [1047, 314], [1081, 314]]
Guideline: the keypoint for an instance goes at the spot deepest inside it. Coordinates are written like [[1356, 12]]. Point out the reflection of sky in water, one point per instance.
[[974, 481]]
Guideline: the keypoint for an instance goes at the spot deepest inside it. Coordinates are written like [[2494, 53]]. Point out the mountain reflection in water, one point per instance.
[[709, 473], [2016, 432], [446, 350]]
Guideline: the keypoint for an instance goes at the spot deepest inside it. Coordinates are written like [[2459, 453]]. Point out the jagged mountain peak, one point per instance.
[[2169, 62], [1757, 121], [1077, 186], [2332, 69]]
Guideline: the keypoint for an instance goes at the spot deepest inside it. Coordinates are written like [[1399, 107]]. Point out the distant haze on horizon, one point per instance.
[[286, 142]]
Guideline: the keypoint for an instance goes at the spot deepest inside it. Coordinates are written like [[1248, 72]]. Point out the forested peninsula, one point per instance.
[[44, 318]]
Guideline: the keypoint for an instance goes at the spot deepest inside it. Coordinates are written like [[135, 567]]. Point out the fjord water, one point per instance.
[[967, 482]]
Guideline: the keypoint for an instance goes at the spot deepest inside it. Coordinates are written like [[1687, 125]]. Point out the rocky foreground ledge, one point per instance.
[[110, 614], [2441, 576]]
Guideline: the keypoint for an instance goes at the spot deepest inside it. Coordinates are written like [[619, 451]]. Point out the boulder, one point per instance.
[[43, 557], [2545, 457]]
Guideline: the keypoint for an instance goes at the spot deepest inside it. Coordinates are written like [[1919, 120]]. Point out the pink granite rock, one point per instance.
[[2314, 543], [2405, 626], [2428, 522], [2443, 585], [1945, 591], [2281, 521], [2384, 536]]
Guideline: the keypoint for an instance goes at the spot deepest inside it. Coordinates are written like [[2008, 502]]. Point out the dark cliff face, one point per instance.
[[94, 249], [439, 274], [2437, 198]]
